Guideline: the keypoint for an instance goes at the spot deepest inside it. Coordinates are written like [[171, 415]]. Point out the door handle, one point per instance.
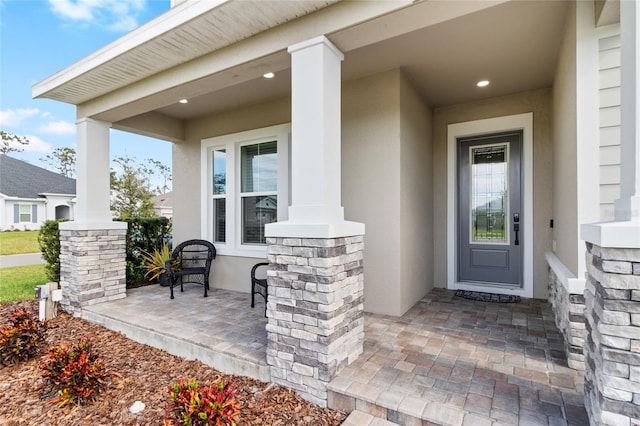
[[516, 228]]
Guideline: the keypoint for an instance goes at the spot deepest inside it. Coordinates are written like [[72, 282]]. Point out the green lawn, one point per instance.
[[19, 242], [18, 283]]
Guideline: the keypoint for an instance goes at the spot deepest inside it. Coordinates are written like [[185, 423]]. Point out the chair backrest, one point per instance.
[[194, 254]]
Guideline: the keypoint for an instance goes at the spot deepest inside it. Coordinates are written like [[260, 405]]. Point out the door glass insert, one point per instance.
[[489, 193]]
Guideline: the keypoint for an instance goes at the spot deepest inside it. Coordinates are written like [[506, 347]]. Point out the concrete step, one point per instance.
[[360, 418]]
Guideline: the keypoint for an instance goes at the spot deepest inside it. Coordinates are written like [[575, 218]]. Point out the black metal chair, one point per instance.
[[259, 286], [190, 262]]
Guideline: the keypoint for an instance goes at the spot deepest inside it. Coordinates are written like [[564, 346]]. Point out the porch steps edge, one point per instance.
[[360, 418], [351, 402], [222, 361]]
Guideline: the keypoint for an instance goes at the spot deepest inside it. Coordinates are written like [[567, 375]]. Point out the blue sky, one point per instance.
[[39, 38]]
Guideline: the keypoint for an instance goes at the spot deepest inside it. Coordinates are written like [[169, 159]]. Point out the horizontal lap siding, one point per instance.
[[609, 91]]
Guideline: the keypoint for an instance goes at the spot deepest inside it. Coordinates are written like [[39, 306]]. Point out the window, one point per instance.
[[259, 177], [248, 188], [25, 213], [219, 184]]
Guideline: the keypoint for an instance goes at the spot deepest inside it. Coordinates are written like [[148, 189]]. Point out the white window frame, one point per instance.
[[233, 222], [20, 206]]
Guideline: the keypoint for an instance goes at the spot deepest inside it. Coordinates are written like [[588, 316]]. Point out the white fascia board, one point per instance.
[[169, 20], [56, 194], [30, 200]]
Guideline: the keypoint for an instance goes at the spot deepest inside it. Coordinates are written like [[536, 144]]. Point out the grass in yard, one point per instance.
[[18, 283], [19, 242]]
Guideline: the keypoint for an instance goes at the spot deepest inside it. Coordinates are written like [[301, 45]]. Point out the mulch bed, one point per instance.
[[143, 375]]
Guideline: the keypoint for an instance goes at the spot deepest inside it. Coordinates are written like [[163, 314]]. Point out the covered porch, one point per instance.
[[447, 360]]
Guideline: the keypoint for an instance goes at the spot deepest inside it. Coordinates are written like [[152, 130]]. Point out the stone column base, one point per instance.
[[92, 267], [568, 311], [315, 311], [612, 348]]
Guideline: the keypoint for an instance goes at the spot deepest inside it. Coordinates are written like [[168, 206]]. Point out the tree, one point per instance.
[[8, 139], [63, 160], [132, 193], [164, 171]]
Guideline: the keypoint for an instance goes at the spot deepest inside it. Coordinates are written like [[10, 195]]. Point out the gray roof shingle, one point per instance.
[[21, 179]]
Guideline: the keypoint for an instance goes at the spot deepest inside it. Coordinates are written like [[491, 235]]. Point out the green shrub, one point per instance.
[[76, 372], [194, 405], [144, 235], [49, 240], [22, 339]]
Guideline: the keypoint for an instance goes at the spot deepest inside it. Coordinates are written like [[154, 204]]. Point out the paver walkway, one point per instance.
[[447, 361], [458, 362]]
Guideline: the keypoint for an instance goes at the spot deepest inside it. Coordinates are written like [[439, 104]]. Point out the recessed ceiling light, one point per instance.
[[269, 75], [482, 83], [183, 101]]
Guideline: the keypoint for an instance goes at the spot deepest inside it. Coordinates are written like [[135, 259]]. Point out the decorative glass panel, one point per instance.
[[219, 172], [259, 167], [489, 194], [257, 212], [219, 220]]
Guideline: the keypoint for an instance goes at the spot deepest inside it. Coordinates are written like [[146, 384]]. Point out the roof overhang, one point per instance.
[[185, 32], [215, 52]]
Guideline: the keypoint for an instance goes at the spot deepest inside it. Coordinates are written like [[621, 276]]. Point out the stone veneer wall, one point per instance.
[[315, 311], [568, 310], [92, 267], [612, 349]]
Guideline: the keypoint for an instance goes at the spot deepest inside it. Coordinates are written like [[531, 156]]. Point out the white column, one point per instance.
[[92, 183], [316, 210], [628, 206], [624, 232]]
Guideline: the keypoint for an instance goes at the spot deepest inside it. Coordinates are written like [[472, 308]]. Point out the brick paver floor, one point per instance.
[[458, 362]]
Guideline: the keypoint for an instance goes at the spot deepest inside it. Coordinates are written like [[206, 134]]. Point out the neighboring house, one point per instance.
[[30, 195], [163, 204], [374, 111]]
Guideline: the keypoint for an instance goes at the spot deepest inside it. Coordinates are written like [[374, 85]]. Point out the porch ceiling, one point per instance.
[[444, 48], [514, 45]]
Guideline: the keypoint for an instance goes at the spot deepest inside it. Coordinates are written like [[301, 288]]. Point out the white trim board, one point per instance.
[[522, 122]]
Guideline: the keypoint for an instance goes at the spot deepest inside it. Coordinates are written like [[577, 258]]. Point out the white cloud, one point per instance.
[[35, 145], [114, 15], [58, 128], [13, 118]]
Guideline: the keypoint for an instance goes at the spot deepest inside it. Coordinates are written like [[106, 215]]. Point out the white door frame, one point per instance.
[[522, 122]]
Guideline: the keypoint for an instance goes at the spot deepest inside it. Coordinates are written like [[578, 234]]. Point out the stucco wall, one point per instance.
[[228, 272], [371, 182], [416, 197], [564, 188], [536, 101], [386, 184]]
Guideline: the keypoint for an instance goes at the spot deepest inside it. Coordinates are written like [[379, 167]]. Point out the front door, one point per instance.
[[490, 219]]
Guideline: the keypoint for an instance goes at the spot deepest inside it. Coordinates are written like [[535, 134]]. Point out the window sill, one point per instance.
[[259, 252]]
